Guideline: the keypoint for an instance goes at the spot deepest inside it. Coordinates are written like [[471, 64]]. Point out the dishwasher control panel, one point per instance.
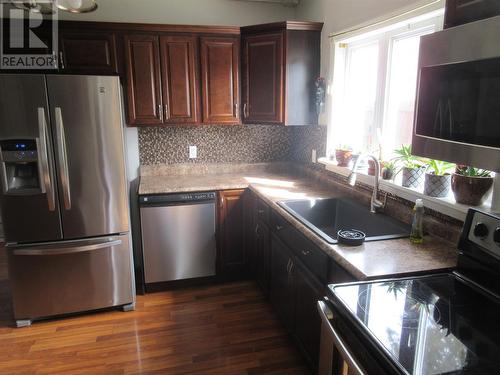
[[176, 198]]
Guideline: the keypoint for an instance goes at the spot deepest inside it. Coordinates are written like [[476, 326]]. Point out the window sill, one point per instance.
[[447, 206]]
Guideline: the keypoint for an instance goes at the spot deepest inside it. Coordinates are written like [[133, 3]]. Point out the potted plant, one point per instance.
[[388, 170], [343, 155], [411, 166], [471, 185], [438, 178]]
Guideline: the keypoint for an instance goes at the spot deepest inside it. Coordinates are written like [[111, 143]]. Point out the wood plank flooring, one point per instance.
[[218, 329]]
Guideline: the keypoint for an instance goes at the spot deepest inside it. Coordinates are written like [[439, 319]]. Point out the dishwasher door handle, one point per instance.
[[330, 339]]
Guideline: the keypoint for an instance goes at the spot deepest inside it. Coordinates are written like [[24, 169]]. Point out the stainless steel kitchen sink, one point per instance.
[[327, 216]]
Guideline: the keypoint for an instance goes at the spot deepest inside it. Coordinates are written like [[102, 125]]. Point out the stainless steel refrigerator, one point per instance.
[[64, 196]]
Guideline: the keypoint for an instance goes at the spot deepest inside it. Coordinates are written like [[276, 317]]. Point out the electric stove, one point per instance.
[[432, 324]]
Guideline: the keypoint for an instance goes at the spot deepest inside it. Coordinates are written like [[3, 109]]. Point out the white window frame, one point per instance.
[[447, 206], [385, 35]]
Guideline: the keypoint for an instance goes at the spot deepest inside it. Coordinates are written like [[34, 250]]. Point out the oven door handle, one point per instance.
[[327, 328]]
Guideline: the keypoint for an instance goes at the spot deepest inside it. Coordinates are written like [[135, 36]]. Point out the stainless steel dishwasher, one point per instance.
[[178, 236]]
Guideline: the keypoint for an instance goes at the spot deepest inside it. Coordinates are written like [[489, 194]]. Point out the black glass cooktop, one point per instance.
[[430, 325]]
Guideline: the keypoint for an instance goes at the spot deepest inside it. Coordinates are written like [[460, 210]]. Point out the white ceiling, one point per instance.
[[286, 3]]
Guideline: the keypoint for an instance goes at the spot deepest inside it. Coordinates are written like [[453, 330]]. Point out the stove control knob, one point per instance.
[[481, 230], [496, 235]]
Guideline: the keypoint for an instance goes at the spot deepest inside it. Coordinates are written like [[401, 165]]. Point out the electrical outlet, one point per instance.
[[193, 152], [313, 156]]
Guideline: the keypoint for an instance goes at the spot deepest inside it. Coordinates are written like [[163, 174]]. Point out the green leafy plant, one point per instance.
[[389, 165], [406, 159], [465, 170], [439, 167]]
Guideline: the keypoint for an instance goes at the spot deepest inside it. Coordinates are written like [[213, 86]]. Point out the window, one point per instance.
[[374, 85]]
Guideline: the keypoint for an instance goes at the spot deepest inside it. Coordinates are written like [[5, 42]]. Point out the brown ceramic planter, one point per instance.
[[371, 168], [343, 157], [471, 191]]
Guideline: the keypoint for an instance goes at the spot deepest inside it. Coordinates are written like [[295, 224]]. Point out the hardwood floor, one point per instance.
[[218, 329]]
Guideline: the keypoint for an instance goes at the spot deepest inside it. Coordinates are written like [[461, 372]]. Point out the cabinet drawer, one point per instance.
[[315, 260]]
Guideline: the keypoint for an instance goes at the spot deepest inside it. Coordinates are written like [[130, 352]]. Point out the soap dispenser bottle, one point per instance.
[[417, 230]]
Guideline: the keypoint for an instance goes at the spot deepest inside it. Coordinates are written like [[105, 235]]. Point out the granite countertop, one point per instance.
[[377, 259]]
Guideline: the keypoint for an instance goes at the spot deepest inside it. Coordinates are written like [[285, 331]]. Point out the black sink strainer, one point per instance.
[[351, 237]]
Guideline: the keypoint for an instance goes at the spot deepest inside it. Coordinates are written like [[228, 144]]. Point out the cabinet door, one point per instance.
[[143, 80], [232, 257], [307, 319], [220, 71], [179, 78], [281, 286], [263, 70], [262, 255], [90, 53], [463, 11]]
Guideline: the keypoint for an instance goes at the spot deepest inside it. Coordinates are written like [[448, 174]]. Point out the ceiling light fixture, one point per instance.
[[46, 7]]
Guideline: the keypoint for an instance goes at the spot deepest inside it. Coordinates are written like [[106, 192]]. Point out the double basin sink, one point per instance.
[[326, 217]]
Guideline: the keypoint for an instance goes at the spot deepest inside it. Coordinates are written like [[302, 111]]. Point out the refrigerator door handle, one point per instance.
[[63, 158], [48, 188], [72, 249]]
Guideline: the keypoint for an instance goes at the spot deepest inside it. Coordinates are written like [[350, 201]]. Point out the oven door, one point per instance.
[[335, 355], [457, 112]]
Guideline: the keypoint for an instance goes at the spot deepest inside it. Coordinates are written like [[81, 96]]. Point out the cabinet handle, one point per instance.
[[159, 112], [291, 267], [260, 212], [221, 201], [236, 109], [288, 266], [245, 110], [257, 229], [61, 60], [306, 252], [279, 227]]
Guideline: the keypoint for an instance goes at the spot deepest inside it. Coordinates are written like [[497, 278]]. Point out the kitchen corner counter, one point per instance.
[[377, 259]]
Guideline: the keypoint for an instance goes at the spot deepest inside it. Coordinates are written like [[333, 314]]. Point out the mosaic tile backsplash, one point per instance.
[[230, 144]]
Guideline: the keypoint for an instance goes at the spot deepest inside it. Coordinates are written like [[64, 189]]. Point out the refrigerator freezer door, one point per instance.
[[31, 215], [86, 116], [65, 277]]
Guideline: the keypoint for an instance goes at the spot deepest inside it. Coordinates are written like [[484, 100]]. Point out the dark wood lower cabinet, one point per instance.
[[232, 257], [307, 319], [262, 255], [282, 291]]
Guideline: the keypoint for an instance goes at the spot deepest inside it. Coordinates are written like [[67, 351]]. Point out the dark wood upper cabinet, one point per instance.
[[179, 57], [459, 12], [87, 52], [144, 100], [281, 62], [263, 70], [220, 79], [232, 257]]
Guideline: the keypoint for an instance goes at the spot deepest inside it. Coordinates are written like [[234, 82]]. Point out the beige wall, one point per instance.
[[192, 12], [339, 15]]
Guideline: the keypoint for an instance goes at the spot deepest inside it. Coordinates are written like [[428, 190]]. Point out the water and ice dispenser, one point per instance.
[[20, 167]]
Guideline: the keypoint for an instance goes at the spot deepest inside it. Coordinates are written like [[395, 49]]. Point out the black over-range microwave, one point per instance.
[[457, 114]]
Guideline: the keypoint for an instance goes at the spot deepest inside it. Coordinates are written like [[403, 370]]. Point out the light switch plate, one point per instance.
[[193, 152], [313, 156]]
